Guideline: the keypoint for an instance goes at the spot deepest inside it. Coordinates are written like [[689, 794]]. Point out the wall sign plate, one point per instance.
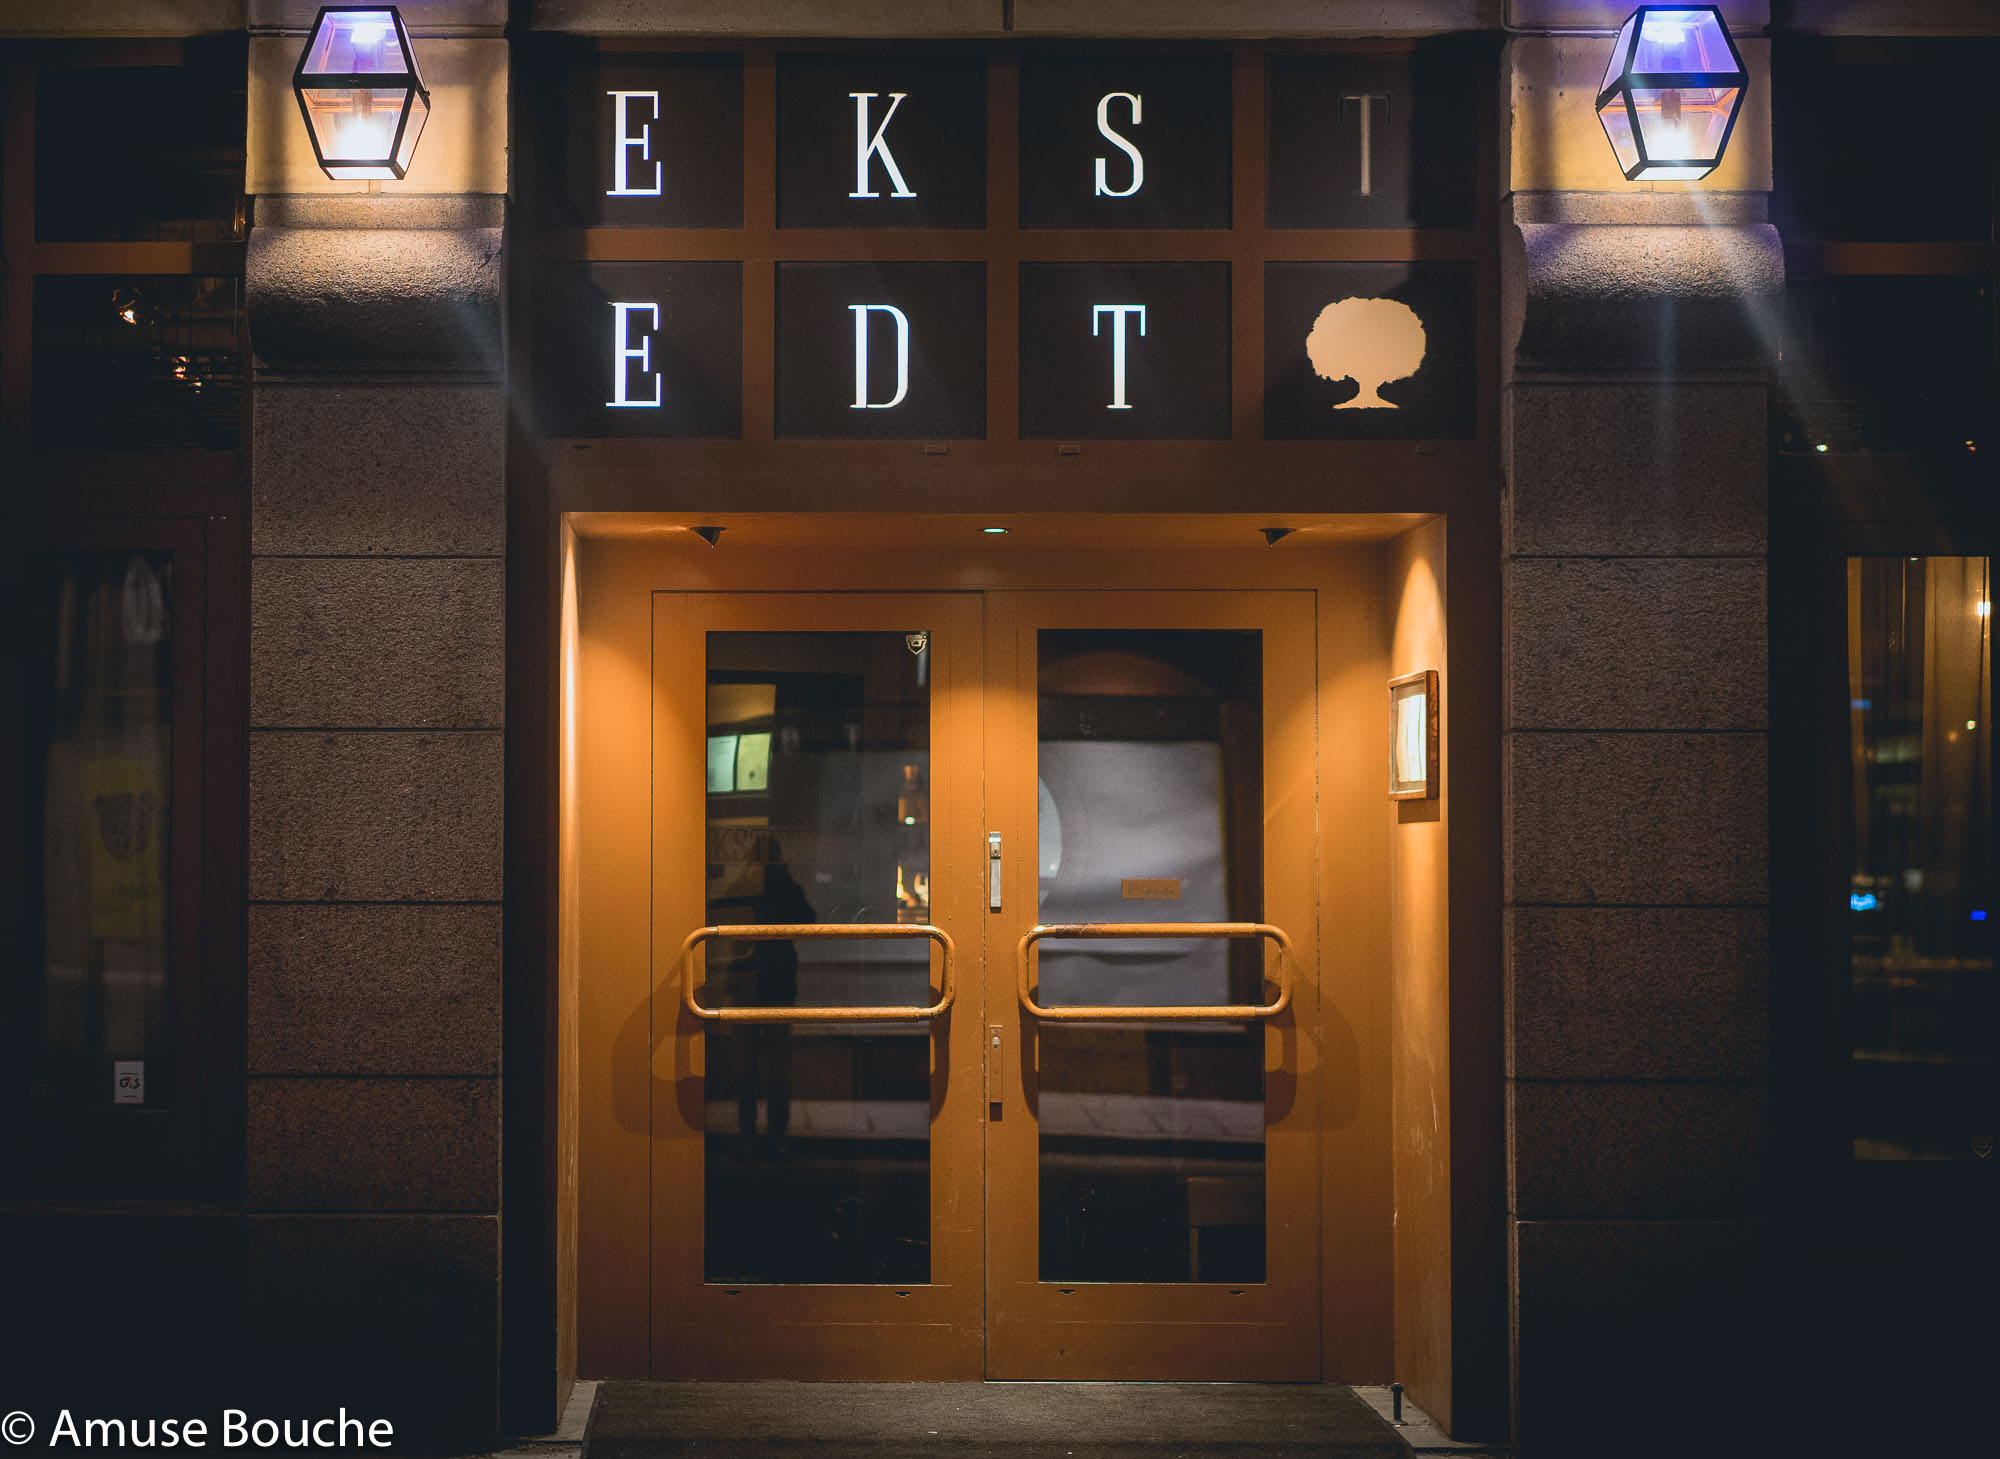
[[889, 141], [1127, 351], [638, 349], [1131, 139], [1413, 736], [128, 1081], [882, 351], [1374, 140], [1370, 351]]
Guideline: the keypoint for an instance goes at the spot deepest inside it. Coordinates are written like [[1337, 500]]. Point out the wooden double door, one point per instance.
[[984, 950]]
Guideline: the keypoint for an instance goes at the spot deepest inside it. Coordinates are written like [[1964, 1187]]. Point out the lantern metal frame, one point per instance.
[[409, 80], [1628, 81]]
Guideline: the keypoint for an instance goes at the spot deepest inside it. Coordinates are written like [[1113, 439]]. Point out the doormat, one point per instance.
[[985, 1421]]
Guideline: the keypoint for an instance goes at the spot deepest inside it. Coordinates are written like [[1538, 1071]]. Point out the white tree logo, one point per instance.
[[1368, 341]]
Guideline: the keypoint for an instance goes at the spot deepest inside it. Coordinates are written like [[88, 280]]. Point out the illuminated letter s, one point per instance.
[[1104, 188]]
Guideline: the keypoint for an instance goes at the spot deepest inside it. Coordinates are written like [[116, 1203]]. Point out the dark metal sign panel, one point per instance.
[[653, 141], [1370, 351], [882, 351], [1128, 265], [638, 349], [1135, 351], [1373, 140], [1125, 140], [882, 142]]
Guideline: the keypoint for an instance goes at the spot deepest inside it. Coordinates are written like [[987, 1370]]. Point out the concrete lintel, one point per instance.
[[1893, 17], [121, 17], [423, 17], [1220, 19], [804, 18], [1741, 16], [1251, 18]]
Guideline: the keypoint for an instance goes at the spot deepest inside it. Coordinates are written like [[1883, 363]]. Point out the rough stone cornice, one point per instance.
[[1640, 301], [383, 303]]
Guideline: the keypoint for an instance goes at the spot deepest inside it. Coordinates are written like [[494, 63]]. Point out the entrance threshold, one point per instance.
[[788, 1420]]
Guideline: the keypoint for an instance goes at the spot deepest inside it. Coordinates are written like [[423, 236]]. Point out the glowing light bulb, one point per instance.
[[1983, 607], [365, 137], [371, 33]]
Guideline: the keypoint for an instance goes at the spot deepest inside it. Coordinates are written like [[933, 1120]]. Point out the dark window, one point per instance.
[[123, 367], [1920, 900], [121, 277], [140, 153], [116, 803], [1877, 140], [1887, 364], [138, 362]]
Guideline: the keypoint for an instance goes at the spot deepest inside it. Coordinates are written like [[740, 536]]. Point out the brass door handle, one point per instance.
[[1159, 1013], [816, 932]]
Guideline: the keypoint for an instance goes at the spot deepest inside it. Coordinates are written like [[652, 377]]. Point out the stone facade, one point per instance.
[[377, 692], [1635, 782]]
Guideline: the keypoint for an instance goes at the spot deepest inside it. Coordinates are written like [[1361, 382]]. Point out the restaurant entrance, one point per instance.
[[973, 1024]]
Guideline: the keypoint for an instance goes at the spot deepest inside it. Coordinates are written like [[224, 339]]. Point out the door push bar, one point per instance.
[[816, 932], [1163, 1013]]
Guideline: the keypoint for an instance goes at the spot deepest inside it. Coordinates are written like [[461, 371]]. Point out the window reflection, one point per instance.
[[818, 1135], [90, 1019], [1152, 1135], [1920, 902]]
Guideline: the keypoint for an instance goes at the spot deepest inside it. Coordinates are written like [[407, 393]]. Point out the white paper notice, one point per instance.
[[128, 1081]]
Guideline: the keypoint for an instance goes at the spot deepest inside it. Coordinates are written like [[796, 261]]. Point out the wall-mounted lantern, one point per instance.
[[359, 91], [1671, 93]]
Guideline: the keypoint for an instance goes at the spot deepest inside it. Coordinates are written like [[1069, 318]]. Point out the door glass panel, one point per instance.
[[1150, 761], [89, 1021], [818, 1135], [1920, 900]]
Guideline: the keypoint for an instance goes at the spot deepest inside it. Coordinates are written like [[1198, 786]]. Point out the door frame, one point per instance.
[[1422, 1263]]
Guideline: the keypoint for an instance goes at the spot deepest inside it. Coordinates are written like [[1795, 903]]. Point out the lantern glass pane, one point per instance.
[[1618, 127], [356, 124], [420, 112], [1682, 40], [1616, 66], [1685, 124], [357, 42]]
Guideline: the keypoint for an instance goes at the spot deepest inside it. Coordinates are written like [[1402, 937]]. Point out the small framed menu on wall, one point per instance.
[[1413, 736]]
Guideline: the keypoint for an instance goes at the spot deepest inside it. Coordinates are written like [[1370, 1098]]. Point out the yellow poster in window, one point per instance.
[[124, 814]]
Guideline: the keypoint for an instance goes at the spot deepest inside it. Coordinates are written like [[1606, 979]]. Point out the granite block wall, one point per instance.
[[1636, 789], [375, 842]]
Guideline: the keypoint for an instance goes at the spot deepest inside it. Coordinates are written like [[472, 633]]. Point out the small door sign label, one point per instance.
[[1150, 888], [128, 1081]]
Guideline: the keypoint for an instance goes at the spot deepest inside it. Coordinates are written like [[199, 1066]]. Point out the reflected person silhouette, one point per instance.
[[766, 1048]]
